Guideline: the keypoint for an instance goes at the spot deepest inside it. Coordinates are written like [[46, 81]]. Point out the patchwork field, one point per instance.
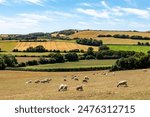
[[13, 86], [52, 45]]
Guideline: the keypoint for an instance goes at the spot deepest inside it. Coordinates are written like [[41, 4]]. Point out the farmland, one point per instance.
[[12, 85], [80, 64], [7, 45], [52, 45]]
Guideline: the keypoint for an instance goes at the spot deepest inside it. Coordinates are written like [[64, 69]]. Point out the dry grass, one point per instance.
[[52, 45], [12, 85], [108, 40]]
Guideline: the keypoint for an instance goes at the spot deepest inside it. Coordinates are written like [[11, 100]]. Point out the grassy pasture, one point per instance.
[[144, 49], [25, 59], [80, 64], [99, 87]]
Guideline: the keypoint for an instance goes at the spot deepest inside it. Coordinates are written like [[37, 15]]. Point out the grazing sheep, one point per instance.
[[79, 88], [28, 82], [73, 77], [85, 81], [123, 83], [63, 87], [37, 81], [113, 73], [86, 78], [45, 80], [76, 79]]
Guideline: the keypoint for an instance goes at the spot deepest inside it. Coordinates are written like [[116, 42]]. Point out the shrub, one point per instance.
[[22, 64], [47, 60], [90, 57], [103, 47], [71, 56], [10, 60], [32, 62], [2, 63], [57, 56]]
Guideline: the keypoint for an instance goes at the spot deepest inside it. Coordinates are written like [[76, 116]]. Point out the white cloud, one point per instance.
[[94, 13], [2, 1], [105, 4], [37, 2], [86, 4]]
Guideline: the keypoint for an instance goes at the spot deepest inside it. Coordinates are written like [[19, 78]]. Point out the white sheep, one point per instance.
[[76, 78], [37, 81], [79, 88], [86, 78], [63, 87], [123, 83], [28, 82]]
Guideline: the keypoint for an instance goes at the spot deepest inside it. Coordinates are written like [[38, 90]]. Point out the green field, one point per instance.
[[7, 45], [144, 49], [80, 64]]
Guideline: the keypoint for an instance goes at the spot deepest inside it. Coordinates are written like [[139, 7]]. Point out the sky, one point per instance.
[[27, 16]]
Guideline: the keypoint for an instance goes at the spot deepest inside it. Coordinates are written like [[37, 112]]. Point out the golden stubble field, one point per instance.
[[110, 40], [99, 87], [52, 45]]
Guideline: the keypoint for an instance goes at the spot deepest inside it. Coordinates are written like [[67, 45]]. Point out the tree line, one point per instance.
[[136, 37]]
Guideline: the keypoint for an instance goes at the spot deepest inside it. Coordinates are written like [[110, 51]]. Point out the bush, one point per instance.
[[71, 56], [91, 42], [47, 60], [15, 50], [32, 62], [103, 47], [22, 64], [57, 56], [39, 48], [2, 63], [10, 60], [90, 57]]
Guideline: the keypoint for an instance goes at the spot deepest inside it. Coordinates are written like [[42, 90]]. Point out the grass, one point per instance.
[[80, 64], [25, 59], [7, 45], [144, 49], [99, 87]]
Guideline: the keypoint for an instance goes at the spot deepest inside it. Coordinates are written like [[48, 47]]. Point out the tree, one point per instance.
[[103, 47], [10, 60], [71, 56]]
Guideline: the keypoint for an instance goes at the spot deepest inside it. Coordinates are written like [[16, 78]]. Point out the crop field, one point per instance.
[[99, 87], [7, 45], [144, 49], [80, 64], [53, 45]]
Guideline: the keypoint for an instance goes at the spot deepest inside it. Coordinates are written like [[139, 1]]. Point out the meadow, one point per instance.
[[99, 87]]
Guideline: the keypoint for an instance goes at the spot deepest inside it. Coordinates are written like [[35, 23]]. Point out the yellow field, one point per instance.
[[111, 40], [52, 45], [13, 86]]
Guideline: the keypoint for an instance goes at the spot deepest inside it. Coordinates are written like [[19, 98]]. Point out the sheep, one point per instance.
[[79, 88], [85, 81], [63, 87], [144, 70], [45, 80], [124, 83], [28, 82], [37, 81], [86, 78], [76, 79], [73, 77]]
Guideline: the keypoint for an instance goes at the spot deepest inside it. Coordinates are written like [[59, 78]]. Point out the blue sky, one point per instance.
[[26, 16]]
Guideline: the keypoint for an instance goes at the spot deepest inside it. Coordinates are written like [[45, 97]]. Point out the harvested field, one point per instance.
[[111, 40], [100, 86], [52, 45]]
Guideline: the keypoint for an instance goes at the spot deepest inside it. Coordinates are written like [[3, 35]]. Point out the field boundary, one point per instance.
[[61, 69]]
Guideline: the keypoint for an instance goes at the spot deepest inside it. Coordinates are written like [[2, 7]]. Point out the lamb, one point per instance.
[[79, 88], [28, 82], [65, 79], [65, 88], [123, 83], [85, 81]]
